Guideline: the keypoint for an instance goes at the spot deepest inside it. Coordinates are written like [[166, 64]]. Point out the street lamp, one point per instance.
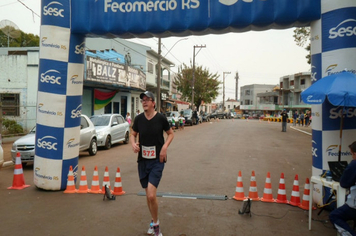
[[193, 80], [159, 71], [224, 73]]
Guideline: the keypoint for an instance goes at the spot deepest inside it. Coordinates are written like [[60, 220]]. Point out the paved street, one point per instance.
[[203, 160]]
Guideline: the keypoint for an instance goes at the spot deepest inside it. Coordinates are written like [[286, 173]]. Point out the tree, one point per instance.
[[206, 85], [25, 40], [301, 37]]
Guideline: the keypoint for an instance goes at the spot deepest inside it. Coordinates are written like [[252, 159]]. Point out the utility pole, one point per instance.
[[158, 103], [193, 80], [237, 85], [224, 89]]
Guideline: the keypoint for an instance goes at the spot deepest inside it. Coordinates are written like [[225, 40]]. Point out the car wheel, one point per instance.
[[126, 141], [108, 142], [93, 148]]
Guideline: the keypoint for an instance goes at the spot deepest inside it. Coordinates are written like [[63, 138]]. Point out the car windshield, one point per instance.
[[33, 130], [187, 112], [100, 120]]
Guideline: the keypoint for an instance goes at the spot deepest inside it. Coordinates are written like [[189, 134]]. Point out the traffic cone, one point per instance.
[[95, 186], [18, 181], [305, 203], [239, 193], [253, 195], [118, 184], [106, 181], [83, 185], [282, 197], [267, 192], [70, 182], [295, 198], [269, 121]]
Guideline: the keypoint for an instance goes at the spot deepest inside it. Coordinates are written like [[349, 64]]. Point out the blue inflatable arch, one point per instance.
[[66, 23]]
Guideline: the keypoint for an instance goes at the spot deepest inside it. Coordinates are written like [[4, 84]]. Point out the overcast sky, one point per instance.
[[259, 57]]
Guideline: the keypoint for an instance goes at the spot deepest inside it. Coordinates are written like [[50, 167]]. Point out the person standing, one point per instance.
[[346, 212], [295, 117], [284, 117], [152, 153], [128, 118], [301, 119], [306, 117]]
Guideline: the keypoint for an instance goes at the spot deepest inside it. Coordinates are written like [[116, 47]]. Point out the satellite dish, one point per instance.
[[10, 29]]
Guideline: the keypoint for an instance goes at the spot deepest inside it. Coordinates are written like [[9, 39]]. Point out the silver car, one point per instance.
[[111, 129], [26, 144]]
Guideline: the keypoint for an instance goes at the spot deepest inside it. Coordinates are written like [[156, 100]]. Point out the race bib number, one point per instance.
[[149, 152]]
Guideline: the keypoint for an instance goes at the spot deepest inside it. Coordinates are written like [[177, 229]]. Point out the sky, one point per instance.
[[259, 57]]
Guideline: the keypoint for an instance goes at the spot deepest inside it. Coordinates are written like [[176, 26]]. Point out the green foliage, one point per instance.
[[25, 40], [301, 37], [12, 127], [206, 85]]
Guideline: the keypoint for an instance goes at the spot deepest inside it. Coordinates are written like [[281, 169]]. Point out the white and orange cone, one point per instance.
[[239, 193], [18, 181], [253, 194], [267, 192], [95, 186], [118, 185], [106, 181], [282, 197], [295, 197], [83, 184], [306, 196], [70, 182]]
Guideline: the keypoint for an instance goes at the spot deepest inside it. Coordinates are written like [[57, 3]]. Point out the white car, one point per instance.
[[111, 129], [1, 153], [26, 144], [169, 116]]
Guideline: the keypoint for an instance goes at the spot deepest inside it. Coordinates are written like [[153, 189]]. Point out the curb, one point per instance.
[[305, 132], [7, 163]]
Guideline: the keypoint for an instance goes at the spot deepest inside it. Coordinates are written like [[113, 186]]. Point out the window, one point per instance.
[[150, 67], [302, 81], [83, 123], [10, 104], [247, 92]]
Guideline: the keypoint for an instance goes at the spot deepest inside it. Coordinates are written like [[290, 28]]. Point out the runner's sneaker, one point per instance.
[[150, 230], [157, 230]]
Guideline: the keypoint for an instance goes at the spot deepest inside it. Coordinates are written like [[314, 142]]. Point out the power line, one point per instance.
[[33, 12]]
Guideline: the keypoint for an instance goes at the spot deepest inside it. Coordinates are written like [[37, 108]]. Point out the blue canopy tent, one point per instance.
[[339, 89]]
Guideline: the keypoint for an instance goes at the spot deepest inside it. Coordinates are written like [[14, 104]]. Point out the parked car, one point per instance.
[[111, 129], [169, 116], [1, 153], [26, 144], [188, 116], [206, 117]]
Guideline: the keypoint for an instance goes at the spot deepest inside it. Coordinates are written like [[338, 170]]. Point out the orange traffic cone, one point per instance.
[[269, 121], [253, 195], [295, 198], [305, 203], [239, 193], [267, 192], [70, 182], [118, 184], [83, 185], [18, 181], [95, 186], [106, 181], [282, 197]]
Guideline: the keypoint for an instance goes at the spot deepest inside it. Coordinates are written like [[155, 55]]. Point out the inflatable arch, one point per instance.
[[66, 23]]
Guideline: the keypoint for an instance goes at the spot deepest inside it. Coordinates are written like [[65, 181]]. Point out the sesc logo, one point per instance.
[[47, 142], [53, 10], [76, 112], [314, 149], [47, 112], [313, 74], [346, 28], [337, 112], [79, 49], [50, 77]]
